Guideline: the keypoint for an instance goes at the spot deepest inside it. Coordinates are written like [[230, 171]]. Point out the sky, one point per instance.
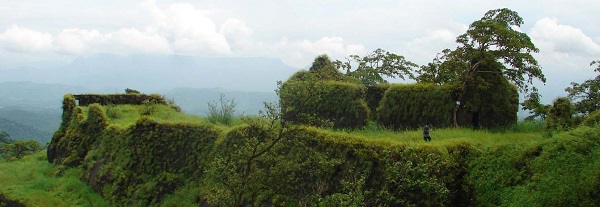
[[59, 31]]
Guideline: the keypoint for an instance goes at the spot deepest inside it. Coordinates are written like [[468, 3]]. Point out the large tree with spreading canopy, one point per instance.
[[492, 44]]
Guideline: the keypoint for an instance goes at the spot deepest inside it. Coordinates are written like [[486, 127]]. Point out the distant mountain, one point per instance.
[[46, 120], [28, 95], [35, 107], [151, 73], [195, 101], [19, 131]]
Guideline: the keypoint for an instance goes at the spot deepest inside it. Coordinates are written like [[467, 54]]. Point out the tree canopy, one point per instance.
[[492, 44], [372, 68], [586, 95]]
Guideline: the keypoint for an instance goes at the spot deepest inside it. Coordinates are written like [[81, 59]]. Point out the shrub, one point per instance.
[[560, 116], [593, 119], [223, 112]]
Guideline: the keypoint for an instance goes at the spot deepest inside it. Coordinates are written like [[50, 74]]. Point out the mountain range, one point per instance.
[[152, 73], [31, 96]]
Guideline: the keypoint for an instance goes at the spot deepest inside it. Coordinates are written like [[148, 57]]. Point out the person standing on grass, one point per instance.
[[426, 133]]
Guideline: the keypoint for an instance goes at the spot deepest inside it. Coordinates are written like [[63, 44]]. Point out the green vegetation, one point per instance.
[[371, 68], [223, 112], [171, 159], [586, 95], [322, 146], [20, 131], [32, 181], [15, 149]]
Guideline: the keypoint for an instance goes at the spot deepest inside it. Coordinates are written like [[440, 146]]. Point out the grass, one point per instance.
[[521, 133], [33, 181], [126, 115]]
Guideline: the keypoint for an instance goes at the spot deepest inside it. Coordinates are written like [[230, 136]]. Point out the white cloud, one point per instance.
[[564, 39], [301, 53], [237, 34], [134, 41], [21, 39], [75, 41], [191, 30], [423, 49], [124, 41]]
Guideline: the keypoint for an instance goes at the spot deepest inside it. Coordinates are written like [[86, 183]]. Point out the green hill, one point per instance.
[[19, 131], [46, 120], [152, 155]]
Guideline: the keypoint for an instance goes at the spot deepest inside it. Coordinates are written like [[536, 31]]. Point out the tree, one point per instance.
[[5, 138], [491, 45], [18, 149], [439, 71], [536, 109], [586, 95], [371, 68], [560, 115], [131, 91], [324, 69]]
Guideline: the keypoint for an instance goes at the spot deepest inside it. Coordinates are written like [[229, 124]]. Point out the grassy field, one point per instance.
[[33, 181], [522, 132]]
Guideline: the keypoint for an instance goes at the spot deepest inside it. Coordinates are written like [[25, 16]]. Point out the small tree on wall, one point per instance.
[[372, 68]]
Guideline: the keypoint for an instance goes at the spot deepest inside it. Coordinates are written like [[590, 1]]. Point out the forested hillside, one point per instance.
[[24, 132]]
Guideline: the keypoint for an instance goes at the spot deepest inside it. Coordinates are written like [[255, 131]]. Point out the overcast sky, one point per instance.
[[566, 32]]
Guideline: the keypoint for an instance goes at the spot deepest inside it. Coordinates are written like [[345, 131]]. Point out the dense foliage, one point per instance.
[[372, 68], [129, 98], [491, 44], [323, 96], [152, 162], [414, 105]]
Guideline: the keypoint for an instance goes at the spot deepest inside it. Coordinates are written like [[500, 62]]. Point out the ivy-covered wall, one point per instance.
[[317, 103], [135, 165], [150, 163], [117, 99], [406, 106]]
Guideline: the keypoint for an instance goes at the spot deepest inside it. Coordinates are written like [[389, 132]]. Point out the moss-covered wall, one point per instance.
[[408, 106], [413, 105], [136, 99], [151, 162], [312, 103]]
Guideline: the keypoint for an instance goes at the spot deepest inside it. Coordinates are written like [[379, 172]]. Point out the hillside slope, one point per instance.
[[19, 131]]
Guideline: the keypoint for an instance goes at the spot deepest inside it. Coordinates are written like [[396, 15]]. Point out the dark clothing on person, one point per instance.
[[426, 136]]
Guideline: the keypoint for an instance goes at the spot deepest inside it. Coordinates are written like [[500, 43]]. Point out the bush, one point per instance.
[[593, 119], [223, 112], [560, 116]]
